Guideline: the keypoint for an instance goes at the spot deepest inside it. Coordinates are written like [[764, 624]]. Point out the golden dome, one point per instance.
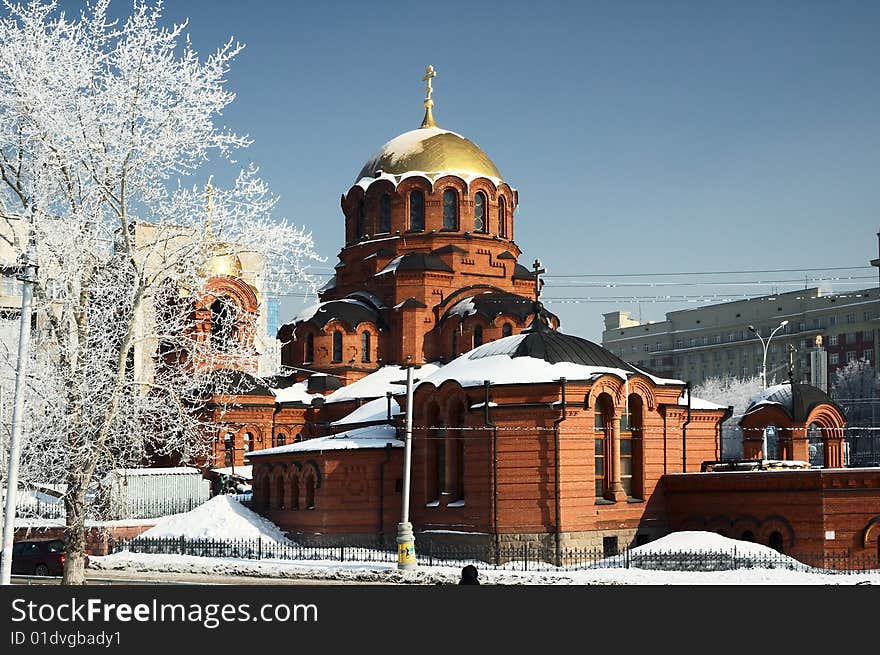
[[430, 150], [224, 262]]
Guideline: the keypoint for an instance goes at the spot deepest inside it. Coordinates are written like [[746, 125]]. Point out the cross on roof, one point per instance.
[[536, 267]]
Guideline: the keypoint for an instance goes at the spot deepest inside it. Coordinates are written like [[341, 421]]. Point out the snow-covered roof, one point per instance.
[[698, 403], [245, 472], [379, 382], [375, 410], [173, 470], [373, 436], [295, 393], [658, 380]]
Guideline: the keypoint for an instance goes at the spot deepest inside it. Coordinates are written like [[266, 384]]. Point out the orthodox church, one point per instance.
[[521, 434]]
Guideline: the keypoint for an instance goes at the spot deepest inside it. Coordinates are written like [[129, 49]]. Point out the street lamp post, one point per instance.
[[406, 547], [766, 345]]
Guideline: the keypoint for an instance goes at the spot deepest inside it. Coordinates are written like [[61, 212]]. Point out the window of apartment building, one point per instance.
[[717, 355], [832, 321], [679, 343], [834, 358], [716, 338], [857, 336], [869, 315], [818, 324], [850, 355], [692, 342], [731, 337], [851, 317], [706, 340], [647, 347], [635, 348], [833, 340], [658, 346], [802, 327], [867, 354]]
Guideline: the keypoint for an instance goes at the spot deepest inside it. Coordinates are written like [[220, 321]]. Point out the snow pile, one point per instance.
[[220, 518], [702, 551]]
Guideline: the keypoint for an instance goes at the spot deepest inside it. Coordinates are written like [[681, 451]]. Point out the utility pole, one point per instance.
[[406, 546], [29, 269]]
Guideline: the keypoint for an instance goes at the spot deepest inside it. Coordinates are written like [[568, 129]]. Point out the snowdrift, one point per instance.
[[221, 518]]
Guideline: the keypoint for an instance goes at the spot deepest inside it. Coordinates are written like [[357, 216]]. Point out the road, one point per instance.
[[160, 578]]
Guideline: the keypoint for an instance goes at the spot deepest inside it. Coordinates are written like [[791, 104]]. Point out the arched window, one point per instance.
[[502, 217], [506, 330], [816, 446], [478, 336], [604, 413], [280, 439], [248, 444], [480, 212], [222, 324], [416, 210], [450, 210], [365, 346], [440, 458], [337, 346], [294, 491], [775, 541], [454, 345], [631, 463], [279, 492], [310, 490], [361, 220], [431, 432], [385, 214], [310, 348]]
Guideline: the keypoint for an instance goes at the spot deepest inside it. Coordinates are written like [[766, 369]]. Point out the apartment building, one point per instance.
[[716, 340]]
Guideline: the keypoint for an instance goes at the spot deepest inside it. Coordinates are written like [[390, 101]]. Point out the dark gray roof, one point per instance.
[[493, 304], [410, 302], [420, 261], [349, 313], [239, 383], [446, 249], [506, 255], [520, 272], [541, 342], [797, 400]]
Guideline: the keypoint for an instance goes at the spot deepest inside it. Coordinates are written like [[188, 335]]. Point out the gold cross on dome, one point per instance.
[[430, 73]]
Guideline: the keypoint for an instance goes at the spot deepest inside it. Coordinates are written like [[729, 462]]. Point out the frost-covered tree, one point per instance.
[[99, 122], [854, 388], [735, 392]]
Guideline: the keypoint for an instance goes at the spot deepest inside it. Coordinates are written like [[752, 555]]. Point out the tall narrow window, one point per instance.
[[440, 459], [361, 220], [385, 214], [450, 210], [478, 336], [365, 346], [416, 210], [337, 346], [626, 458], [310, 490], [599, 456], [294, 491], [222, 324], [480, 212], [506, 330], [502, 217], [310, 348], [454, 345]]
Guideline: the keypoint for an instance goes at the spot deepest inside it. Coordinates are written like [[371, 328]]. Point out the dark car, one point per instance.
[[39, 557]]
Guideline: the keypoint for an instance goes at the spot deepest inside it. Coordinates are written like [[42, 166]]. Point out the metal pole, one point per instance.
[[406, 548], [24, 337]]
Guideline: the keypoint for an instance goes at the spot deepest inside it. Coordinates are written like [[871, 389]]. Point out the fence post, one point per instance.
[[182, 549], [526, 556], [259, 548]]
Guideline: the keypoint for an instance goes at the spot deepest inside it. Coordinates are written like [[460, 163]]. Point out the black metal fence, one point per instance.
[[526, 557]]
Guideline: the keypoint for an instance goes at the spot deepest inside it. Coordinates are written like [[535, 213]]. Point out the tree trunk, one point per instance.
[[74, 534]]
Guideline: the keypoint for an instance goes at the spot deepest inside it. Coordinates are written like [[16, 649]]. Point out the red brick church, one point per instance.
[[521, 433]]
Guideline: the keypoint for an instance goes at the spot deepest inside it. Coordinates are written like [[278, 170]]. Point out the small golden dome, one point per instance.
[[224, 262], [430, 150]]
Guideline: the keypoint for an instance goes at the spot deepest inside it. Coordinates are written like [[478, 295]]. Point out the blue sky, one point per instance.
[[643, 137]]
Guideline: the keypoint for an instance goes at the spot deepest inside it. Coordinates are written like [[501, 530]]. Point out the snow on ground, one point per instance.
[[219, 518], [386, 572]]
